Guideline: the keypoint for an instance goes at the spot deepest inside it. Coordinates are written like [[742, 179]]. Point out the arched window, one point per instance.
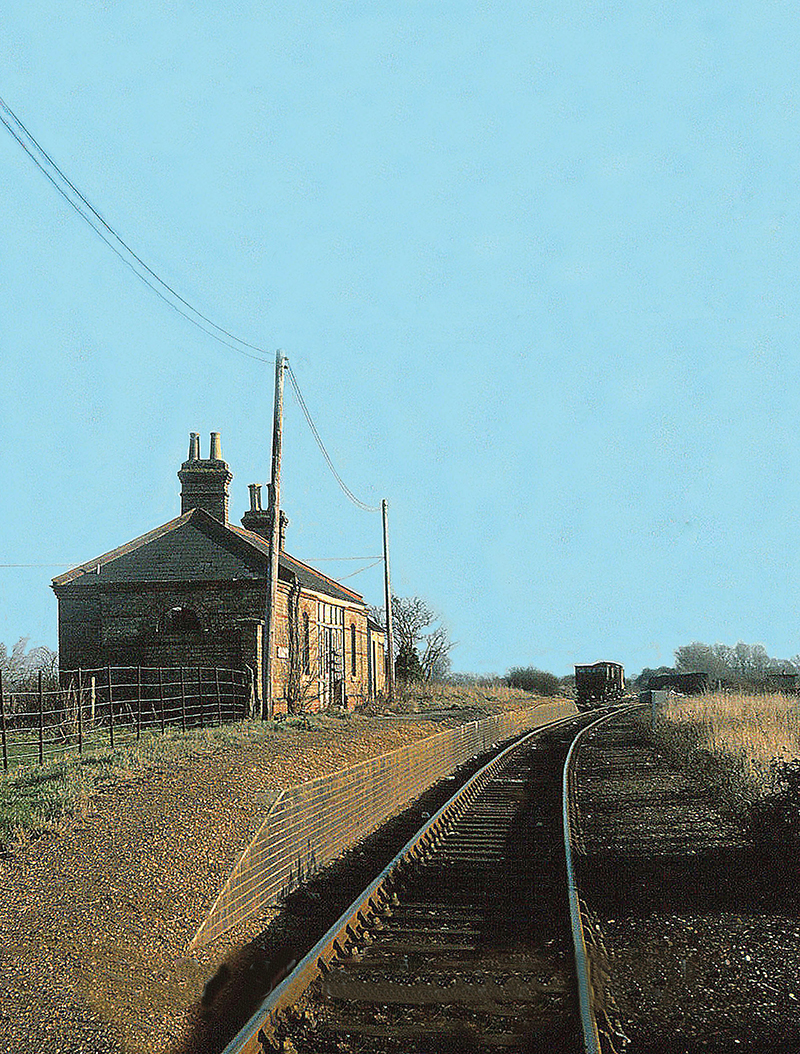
[[353, 649], [181, 620], [306, 644]]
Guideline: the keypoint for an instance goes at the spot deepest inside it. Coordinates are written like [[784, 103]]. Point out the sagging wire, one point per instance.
[[358, 572], [50, 169], [321, 445]]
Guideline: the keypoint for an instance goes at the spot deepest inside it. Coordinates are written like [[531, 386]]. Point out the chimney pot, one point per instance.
[[257, 519], [204, 482]]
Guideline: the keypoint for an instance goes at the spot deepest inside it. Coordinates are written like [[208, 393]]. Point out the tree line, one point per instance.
[[732, 665]]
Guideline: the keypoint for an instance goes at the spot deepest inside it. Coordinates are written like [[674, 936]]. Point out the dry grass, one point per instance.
[[747, 737], [490, 698]]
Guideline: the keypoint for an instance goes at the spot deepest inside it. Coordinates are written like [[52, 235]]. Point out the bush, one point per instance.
[[532, 680], [407, 667]]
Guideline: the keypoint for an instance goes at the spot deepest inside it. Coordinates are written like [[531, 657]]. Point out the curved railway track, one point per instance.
[[464, 942]]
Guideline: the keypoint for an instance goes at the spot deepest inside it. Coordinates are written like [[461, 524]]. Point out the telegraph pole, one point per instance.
[[388, 594], [269, 638]]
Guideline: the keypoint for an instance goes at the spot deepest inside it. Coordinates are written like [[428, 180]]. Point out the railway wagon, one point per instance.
[[687, 683], [599, 683]]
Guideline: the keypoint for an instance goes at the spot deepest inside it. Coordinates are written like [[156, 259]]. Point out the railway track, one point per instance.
[[464, 942]]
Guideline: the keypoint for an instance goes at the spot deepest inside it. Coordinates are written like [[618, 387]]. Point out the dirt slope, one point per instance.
[[96, 916]]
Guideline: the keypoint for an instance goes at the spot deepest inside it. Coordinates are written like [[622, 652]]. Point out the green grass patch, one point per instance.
[[33, 797]]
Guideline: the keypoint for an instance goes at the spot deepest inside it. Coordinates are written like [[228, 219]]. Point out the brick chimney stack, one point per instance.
[[258, 519], [204, 482]]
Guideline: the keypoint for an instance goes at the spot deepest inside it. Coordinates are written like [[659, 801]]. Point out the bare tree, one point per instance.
[[302, 685], [418, 632]]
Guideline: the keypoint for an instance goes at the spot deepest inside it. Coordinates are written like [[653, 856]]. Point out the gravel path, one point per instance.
[[96, 916]]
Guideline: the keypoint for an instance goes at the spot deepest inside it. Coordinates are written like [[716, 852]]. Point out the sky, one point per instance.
[[534, 268]]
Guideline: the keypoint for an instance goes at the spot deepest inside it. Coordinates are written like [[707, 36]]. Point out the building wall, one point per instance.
[[79, 625], [376, 642], [129, 625], [325, 675]]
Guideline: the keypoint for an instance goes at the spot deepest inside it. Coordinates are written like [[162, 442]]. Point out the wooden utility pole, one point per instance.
[[388, 594], [268, 643]]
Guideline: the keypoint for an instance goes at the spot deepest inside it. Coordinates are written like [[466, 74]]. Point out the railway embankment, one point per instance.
[[697, 918], [99, 908]]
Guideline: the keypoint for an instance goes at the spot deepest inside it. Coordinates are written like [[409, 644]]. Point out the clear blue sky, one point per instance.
[[535, 267]]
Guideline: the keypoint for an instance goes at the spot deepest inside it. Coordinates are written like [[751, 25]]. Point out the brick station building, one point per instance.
[[192, 593]]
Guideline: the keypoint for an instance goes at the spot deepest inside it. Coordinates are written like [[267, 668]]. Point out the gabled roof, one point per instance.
[[308, 576], [197, 547]]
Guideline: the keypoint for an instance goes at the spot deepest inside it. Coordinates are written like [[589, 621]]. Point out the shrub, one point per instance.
[[532, 680], [407, 667]]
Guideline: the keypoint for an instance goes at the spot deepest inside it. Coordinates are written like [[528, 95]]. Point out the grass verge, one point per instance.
[[486, 699], [34, 797], [747, 749]]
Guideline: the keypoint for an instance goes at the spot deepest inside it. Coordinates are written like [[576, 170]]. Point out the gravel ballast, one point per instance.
[[701, 929]]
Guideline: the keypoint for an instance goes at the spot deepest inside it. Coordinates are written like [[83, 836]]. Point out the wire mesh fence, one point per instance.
[[110, 705], [310, 824]]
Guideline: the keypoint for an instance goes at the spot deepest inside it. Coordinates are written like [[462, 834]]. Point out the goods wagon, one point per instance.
[[599, 683], [686, 683]]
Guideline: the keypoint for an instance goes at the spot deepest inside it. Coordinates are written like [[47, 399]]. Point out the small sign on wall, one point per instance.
[[283, 653]]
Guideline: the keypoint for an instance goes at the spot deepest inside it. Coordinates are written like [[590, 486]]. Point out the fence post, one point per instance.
[[251, 692], [3, 724], [80, 708], [200, 692], [110, 706], [219, 700], [93, 695], [161, 698], [41, 720], [138, 703], [183, 702]]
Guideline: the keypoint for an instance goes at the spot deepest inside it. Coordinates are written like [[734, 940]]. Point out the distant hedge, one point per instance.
[[532, 680]]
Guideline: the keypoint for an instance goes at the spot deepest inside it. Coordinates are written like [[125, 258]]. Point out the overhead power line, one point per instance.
[[40, 565], [321, 445], [338, 559], [358, 572], [170, 296], [78, 201]]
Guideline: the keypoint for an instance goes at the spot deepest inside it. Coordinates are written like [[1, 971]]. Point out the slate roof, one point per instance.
[[196, 547]]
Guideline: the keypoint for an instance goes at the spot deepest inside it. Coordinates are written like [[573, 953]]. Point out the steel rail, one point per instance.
[[591, 1036], [257, 1036]]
